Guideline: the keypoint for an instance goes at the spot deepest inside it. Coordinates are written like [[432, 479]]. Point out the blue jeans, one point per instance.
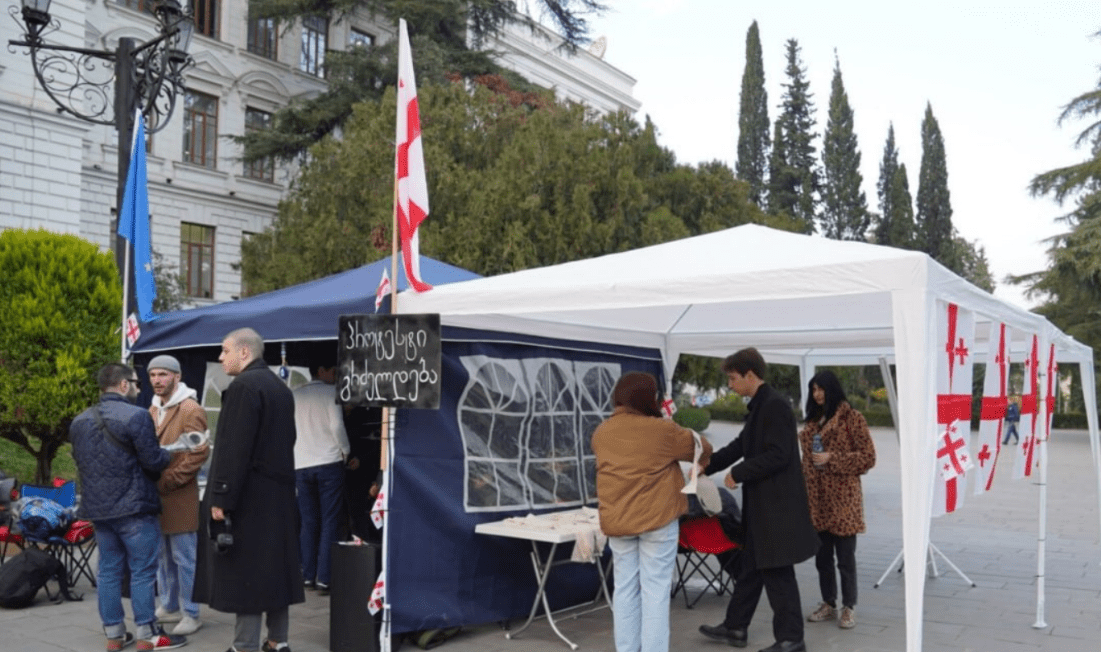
[[320, 501], [176, 572], [643, 580], [132, 541]]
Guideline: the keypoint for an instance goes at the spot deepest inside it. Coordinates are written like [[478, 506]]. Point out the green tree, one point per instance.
[[60, 306], [511, 186], [895, 223], [171, 285], [844, 207], [795, 173], [447, 37], [934, 206], [753, 125], [968, 260]]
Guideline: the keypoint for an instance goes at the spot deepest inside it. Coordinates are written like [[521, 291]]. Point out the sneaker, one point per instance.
[[115, 644], [825, 611], [187, 625], [847, 619], [322, 588], [165, 616], [309, 585], [279, 647], [161, 641]]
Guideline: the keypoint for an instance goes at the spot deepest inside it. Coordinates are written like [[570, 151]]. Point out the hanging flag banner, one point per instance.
[[412, 185], [383, 288], [378, 595], [668, 407], [995, 402], [134, 223], [132, 330], [1049, 395], [1026, 458], [956, 334]]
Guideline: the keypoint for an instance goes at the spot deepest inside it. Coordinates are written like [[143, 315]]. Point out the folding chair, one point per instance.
[[699, 538], [74, 546], [8, 536]]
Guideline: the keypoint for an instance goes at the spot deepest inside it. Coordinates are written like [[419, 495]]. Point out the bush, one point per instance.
[[730, 407], [879, 417], [1069, 420], [693, 417]]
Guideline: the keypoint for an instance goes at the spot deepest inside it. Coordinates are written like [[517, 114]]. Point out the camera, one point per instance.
[[223, 543]]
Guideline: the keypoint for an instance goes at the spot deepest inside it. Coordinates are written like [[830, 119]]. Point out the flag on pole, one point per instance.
[[383, 288], [134, 223], [132, 330], [1026, 452], [378, 595], [995, 401], [956, 332], [1049, 395], [412, 186]]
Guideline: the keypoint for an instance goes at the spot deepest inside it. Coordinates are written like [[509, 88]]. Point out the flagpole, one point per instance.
[[125, 295]]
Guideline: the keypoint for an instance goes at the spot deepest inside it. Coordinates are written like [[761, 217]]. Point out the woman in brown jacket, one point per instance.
[[638, 485], [834, 491]]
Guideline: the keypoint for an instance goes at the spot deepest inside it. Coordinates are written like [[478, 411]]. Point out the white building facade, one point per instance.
[[58, 172]]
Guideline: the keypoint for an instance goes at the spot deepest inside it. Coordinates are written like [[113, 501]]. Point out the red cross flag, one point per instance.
[[1026, 459], [412, 186], [956, 333], [378, 594], [133, 331], [1049, 394], [383, 288], [995, 400], [668, 407]]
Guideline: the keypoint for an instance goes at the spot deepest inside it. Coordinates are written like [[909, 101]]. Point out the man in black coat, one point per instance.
[[779, 532], [250, 496]]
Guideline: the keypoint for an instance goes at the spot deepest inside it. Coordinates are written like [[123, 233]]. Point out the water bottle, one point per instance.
[[816, 447]]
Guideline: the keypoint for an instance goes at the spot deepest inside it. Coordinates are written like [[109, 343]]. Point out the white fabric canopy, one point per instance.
[[799, 299]]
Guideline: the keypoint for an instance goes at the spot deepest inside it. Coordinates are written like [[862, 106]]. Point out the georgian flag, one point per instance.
[[378, 594], [1026, 457], [383, 288], [1049, 395], [668, 407], [956, 334], [412, 190], [378, 510], [995, 400]]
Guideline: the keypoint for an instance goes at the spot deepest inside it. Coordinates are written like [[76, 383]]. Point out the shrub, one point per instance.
[[729, 407], [693, 417], [1069, 420], [879, 417]]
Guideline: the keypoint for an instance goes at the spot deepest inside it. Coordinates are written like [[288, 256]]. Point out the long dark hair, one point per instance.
[[829, 383], [637, 390]]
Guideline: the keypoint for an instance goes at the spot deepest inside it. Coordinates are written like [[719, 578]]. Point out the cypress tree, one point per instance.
[[781, 183], [844, 206], [934, 206], [900, 231], [799, 176], [753, 126], [888, 165]]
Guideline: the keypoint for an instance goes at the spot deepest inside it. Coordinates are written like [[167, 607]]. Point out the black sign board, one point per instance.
[[389, 361]]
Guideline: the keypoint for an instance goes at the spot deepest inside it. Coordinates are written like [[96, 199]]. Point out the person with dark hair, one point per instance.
[[834, 491], [248, 560], [116, 450], [638, 485], [778, 529]]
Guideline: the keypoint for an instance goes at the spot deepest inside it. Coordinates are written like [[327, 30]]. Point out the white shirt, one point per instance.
[[320, 424]]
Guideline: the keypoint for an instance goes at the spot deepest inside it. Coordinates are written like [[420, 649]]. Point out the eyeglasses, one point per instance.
[[135, 382]]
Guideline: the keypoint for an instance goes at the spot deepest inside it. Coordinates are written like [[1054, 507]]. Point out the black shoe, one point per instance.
[[322, 589], [786, 646], [735, 637], [268, 647], [309, 585]]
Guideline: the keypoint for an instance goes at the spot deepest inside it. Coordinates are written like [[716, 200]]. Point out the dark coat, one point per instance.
[[774, 495], [112, 481], [252, 479]]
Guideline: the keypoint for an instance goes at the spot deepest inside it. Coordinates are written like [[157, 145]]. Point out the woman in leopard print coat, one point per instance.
[[834, 491]]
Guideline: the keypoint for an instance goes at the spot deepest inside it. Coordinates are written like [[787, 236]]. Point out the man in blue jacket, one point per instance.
[[116, 451]]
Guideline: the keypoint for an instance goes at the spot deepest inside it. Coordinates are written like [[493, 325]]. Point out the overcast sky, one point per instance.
[[996, 74]]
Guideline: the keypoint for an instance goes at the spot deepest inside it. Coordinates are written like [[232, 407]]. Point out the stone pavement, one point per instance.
[[992, 540]]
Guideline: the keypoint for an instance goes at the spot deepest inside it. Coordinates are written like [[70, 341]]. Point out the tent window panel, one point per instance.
[[540, 438], [476, 428], [590, 478], [589, 422], [565, 435], [510, 486], [481, 485], [505, 436], [554, 389], [554, 482]]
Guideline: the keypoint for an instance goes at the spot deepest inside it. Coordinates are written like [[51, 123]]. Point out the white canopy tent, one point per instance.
[[799, 299]]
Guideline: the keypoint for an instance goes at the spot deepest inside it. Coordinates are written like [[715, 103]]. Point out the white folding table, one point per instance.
[[553, 528]]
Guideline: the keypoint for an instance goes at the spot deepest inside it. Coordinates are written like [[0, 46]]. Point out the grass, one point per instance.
[[16, 461]]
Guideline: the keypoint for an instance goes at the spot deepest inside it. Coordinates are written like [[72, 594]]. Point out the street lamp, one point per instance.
[[80, 81]]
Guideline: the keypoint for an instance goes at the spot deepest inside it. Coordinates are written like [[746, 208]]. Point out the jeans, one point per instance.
[[176, 572], [1011, 430], [320, 502], [246, 631], [132, 541], [643, 567], [845, 549]]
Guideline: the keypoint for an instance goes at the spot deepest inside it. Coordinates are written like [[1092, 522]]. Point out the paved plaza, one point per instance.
[[992, 539]]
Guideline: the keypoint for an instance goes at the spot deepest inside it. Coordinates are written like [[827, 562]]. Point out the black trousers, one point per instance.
[[783, 597], [844, 548]]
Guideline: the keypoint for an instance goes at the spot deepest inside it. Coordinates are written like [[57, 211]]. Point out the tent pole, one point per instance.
[[1041, 535]]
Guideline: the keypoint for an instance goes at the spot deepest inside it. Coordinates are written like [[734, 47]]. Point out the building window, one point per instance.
[[358, 39], [146, 6], [262, 37], [200, 129], [197, 259], [315, 31], [205, 13], [263, 169]]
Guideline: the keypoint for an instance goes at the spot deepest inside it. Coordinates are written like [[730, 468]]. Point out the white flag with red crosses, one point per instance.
[[1026, 457], [956, 334], [995, 400], [378, 595]]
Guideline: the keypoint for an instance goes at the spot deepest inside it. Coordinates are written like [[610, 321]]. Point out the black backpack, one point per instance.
[[22, 576]]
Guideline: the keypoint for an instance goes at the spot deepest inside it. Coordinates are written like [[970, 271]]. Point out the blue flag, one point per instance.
[[134, 223]]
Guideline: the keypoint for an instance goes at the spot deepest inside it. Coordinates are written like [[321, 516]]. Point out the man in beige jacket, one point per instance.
[[175, 412]]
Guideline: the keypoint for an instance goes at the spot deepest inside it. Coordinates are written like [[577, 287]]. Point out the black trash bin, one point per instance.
[[352, 628]]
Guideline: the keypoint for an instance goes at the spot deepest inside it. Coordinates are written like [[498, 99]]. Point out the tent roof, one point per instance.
[[309, 311]]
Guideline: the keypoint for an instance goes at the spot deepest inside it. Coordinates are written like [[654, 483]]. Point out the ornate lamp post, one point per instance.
[[106, 87]]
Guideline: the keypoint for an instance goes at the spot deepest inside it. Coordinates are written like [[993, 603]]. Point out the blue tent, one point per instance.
[[309, 311]]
